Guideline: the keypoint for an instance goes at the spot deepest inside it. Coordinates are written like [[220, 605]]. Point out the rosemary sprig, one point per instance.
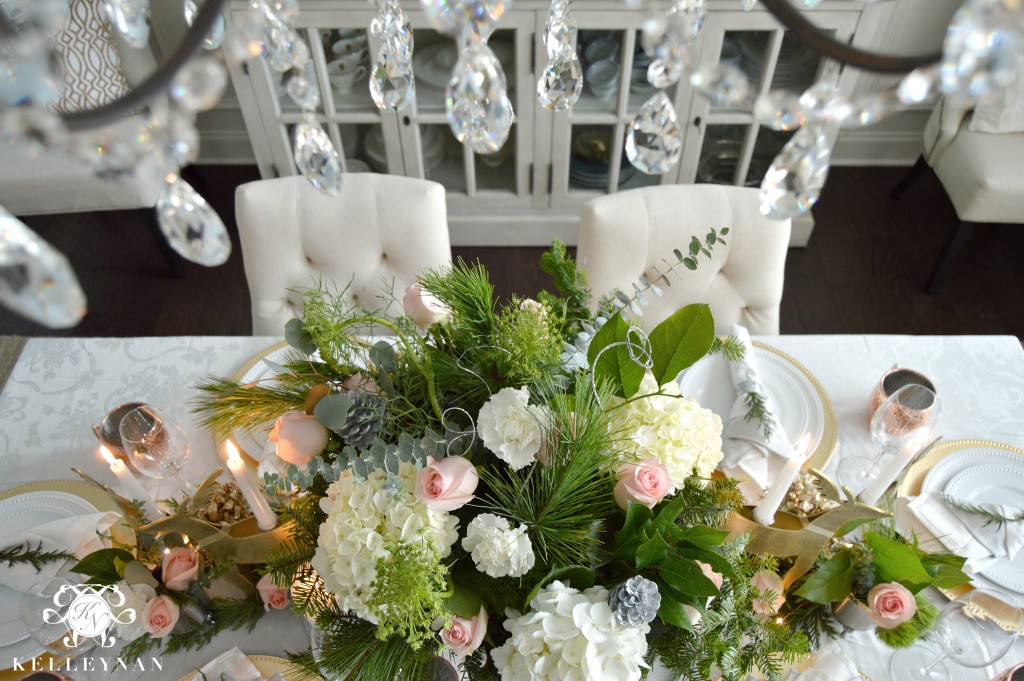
[[757, 410], [991, 517], [36, 557]]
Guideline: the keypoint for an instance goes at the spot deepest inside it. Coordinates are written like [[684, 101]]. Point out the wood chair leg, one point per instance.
[[911, 178], [175, 263], [955, 242]]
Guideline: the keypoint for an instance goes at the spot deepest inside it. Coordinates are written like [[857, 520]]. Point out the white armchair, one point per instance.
[[624, 234], [378, 233], [981, 172]]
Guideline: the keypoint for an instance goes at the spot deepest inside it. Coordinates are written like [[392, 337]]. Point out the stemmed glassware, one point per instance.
[[157, 444], [896, 421], [975, 630]]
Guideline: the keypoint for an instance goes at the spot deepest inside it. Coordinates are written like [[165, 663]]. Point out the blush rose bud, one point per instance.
[[299, 437], [465, 636], [891, 605], [159, 616], [273, 596], [421, 305], [180, 568], [447, 484], [647, 483]]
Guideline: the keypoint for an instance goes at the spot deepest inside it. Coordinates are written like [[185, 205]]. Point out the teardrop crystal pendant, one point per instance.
[[663, 73], [653, 141], [980, 50], [724, 84], [303, 92], [192, 228], [561, 83], [393, 29], [479, 111], [779, 110], [36, 280], [919, 86], [392, 83], [472, 20], [216, 35], [316, 157], [559, 30], [794, 180], [130, 20]]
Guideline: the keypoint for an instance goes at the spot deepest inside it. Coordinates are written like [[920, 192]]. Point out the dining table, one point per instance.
[[59, 388]]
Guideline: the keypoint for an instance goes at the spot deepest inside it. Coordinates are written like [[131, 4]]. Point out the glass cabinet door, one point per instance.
[[429, 148], [725, 145]]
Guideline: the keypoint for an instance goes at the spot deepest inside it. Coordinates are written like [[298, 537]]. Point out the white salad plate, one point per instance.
[[801, 402]]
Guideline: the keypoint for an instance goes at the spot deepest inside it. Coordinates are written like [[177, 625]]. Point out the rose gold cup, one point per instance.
[[1013, 674], [108, 431], [893, 380]]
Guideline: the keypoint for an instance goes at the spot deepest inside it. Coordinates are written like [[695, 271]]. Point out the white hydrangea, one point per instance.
[[511, 428], [497, 549], [360, 515], [135, 598], [673, 428], [570, 635]]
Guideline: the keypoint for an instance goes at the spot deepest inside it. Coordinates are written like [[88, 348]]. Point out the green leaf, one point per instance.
[[694, 245], [628, 548], [723, 231], [703, 537], [853, 525], [831, 582], [332, 411], [638, 517], [653, 551], [100, 565], [137, 573], [671, 611], [463, 602], [896, 562], [383, 355], [297, 336], [681, 340], [717, 561], [945, 569], [578, 576], [685, 576], [615, 365], [667, 515]]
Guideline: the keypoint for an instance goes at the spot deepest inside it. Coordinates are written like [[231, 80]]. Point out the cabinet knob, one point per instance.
[[406, 121], [697, 122]]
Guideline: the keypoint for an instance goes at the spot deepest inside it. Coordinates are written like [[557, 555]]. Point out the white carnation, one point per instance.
[[673, 428], [570, 634], [360, 516], [497, 549], [136, 596], [511, 428]]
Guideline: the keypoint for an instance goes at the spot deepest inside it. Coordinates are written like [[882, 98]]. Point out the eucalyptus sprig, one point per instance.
[[990, 516]]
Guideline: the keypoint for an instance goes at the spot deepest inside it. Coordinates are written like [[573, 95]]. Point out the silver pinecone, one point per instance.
[[365, 418], [635, 601]]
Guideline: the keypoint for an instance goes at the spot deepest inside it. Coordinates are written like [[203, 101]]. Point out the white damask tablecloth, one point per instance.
[[61, 387]]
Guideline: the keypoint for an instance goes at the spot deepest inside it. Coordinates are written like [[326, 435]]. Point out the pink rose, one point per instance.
[[360, 381], [159, 616], [768, 581], [465, 636], [421, 305], [299, 437], [447, 484], [891, 605], [647, 483], [180, 568], [273, 596]]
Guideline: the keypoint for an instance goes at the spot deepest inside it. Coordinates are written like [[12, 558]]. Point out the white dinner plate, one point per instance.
[[801, 402], [17, 514], [984, 474]]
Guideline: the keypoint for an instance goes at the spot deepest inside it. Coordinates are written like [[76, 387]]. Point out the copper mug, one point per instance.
[[1012, 674], [893, 380]]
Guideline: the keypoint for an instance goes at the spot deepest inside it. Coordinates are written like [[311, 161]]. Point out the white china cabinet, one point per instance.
[[532, 190]]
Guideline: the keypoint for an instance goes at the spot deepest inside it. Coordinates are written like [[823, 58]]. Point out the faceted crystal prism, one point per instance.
[[192, 228], [199, 85], [654, 142], [393, 29], [468, 19], [688, 16], [980, 50], [392, 84], [216, 35], [303, 92], [871, 109], [316, 157], [280, 46], [129, 18], [36, 280], [479, 111], [724, 84], [919, 86], [559, 34], [561, 82], [663, 73], [779, 110], [796, 176]]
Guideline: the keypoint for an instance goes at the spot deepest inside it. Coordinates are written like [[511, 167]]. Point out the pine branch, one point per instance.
[[991, 517], [225, 614], [34, 556], [757, 410], [570, 282], [225, 406], [730, 347]]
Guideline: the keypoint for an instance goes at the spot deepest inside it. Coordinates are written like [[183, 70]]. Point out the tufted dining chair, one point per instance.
[[375, 236], [623, 235], [979, 167]]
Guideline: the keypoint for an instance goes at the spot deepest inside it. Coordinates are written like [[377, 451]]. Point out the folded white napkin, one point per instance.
[[232, 665], [79, 535], [966, 534], [831, 663], [748, 455]]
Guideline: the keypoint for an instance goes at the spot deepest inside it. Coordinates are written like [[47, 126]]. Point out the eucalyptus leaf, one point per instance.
[[681, 340], [332, 410], [383, 355], [297, 336]]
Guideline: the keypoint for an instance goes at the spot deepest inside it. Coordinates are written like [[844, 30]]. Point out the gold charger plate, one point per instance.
[[267, 665], [912, 482]]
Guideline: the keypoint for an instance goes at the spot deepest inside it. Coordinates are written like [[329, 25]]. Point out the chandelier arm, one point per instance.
[[157, 82], [824, 44]]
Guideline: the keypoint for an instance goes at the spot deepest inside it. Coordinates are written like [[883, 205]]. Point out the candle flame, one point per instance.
[[233, 457], [107, 456]]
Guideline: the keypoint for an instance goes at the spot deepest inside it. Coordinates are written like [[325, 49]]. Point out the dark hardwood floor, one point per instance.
[[863, 272]]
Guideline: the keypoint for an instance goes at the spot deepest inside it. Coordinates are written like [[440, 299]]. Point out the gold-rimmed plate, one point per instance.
[[266, 665], [252, 371], [802, 404]]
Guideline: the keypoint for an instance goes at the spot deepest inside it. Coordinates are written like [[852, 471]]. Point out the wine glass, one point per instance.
[[157, 444], [968, 635], [45, 611], [899, 419]]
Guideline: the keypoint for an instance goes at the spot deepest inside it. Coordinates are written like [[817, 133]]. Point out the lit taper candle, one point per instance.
[[265, 517], [764, 512], [131, 488]]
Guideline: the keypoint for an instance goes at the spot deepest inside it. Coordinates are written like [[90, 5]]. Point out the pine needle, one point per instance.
[[991, 517], [34, 556]]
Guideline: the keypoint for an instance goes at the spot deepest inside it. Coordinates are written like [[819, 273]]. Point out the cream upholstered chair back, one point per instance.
[[375, 236], [624, 234]]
